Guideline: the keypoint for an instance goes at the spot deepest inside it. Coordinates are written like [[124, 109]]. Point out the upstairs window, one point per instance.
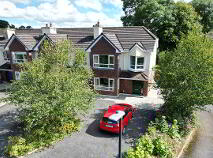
[[136, 63], [6, 56], [103, 61], [20, 57]]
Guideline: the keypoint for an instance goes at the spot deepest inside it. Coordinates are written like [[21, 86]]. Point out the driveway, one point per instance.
[[90, 142]]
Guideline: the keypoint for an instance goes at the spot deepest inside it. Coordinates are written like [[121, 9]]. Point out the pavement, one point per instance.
[[90, 142], [202, 144]]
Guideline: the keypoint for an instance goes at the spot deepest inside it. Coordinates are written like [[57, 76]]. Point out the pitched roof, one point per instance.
[[28, 31], [113, 38], [3, 43], [124, 37], [29, 40], [80, 37]]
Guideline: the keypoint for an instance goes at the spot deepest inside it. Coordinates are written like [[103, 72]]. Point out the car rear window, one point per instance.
[[109, 121]]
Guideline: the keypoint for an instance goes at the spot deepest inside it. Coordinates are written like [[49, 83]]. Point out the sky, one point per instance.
[[62, 13]]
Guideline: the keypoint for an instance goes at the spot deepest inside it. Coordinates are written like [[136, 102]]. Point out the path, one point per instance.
[[202, 145]]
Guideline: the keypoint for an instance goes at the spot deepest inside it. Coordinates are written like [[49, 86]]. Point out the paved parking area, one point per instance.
[[90, 142]]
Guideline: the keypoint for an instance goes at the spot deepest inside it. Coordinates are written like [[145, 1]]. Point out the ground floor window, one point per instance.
[[105, 84]]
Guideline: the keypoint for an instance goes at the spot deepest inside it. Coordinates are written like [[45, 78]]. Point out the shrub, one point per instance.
[[17, 146], [161, 148], [173, 131], [145, 143], [162, 124]]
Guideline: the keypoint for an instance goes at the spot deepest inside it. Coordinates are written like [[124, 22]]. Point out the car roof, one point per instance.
[[114, 115]]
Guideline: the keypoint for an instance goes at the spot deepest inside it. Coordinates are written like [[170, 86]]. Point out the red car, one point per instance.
[[110, 120]]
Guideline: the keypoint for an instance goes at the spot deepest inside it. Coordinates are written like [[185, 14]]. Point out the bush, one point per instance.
[[161, 148], [173, 131], [17, 146], [162, 124], [145, 143]]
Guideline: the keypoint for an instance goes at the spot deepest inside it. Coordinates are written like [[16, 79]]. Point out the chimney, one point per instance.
[[10, 32], [49, 29], [97, 30]]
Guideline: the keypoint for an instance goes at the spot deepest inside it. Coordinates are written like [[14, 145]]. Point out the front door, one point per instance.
[[137, 86]]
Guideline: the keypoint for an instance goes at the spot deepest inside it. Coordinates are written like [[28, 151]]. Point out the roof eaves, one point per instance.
[[6, 47], [150, 33], [112, 42], [98, 38], [45, 36]]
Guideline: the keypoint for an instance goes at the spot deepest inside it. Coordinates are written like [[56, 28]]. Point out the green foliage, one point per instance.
[[165, 18], [52, 92], [173, 131], [4, 24], [145, 143], [158, 141], [17, 146], [205, 9], [162, 148], [162, 124], [143, 149], [186, 77]]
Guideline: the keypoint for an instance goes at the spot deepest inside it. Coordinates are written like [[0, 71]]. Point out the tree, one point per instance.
[[168, 20], [22, 27], [186, 76], [4, 24], [52, 93], [205, 9], [29, 27]]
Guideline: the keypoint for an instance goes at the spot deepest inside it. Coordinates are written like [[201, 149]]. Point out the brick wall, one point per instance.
[[103, 47], [126, 86]]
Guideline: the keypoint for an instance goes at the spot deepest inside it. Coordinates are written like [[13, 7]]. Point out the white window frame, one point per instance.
[[108, 66], [17, 61], [136, 63], [5, 55], [97, 85]]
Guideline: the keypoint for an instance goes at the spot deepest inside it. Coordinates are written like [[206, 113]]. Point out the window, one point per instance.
[[103, 61], [6, 56], [105, 84], [136, 62], [20, 57]]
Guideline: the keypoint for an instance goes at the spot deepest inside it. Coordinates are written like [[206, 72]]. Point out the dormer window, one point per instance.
[[103, 61], [136, 63]]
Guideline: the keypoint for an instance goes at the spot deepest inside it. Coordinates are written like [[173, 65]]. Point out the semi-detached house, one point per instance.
[[122, 58]]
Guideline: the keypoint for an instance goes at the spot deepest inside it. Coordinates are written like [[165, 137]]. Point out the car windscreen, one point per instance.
[[109, 121]]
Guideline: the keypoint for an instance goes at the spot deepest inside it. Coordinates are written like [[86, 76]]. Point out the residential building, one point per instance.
[[122, 58]]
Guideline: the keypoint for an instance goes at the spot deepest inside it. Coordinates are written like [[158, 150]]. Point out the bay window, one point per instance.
[[105, 84], [136, 63], [103, 61]]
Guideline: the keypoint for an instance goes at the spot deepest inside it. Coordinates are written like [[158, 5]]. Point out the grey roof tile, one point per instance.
[[113, 38], [29, 40]]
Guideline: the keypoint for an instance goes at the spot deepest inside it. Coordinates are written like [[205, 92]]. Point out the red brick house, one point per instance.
[[122, 58]]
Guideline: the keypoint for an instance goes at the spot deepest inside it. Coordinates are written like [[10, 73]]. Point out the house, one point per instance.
[[122, 58]]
